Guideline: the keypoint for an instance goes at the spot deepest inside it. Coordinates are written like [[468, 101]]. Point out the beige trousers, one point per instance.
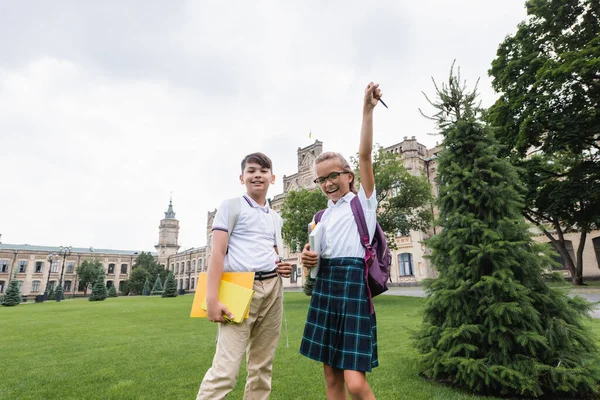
[[258, 336]]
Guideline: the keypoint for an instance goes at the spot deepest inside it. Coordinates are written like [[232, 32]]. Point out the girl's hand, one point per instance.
[[309, 258], [372, 95]]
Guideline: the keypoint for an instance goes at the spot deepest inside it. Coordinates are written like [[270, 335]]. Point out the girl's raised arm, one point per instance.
[[365, 149]]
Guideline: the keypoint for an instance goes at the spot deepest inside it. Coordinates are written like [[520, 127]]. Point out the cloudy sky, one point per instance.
[[108, 107]]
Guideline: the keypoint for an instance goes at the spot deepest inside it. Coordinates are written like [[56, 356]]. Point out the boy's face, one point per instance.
[[257, 179]]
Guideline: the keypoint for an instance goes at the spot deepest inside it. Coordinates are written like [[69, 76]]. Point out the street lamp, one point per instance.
[[65, 251], [51, 258]]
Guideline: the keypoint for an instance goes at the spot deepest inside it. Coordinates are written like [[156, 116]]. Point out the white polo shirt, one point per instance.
[[252, 242], [341, 237]]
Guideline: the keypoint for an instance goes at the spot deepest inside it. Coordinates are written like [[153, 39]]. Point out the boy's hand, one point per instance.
[[217, 311], [284, 269], [372, 95], [309, 258]]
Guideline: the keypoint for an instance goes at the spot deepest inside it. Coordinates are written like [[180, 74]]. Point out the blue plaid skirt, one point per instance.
[[340, 329]]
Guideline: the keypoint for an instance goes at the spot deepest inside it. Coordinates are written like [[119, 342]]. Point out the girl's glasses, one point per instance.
[[331, 177]]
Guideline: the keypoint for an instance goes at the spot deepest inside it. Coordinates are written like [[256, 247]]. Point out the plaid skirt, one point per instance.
[[340, 329]]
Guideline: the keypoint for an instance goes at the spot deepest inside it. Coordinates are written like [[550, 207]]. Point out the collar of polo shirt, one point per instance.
[[254, 204]]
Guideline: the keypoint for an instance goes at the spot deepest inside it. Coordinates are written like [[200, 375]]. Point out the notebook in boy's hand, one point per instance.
[[244, 279], [235, 297]]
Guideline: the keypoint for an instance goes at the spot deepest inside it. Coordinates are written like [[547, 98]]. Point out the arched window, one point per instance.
[[192, 283]]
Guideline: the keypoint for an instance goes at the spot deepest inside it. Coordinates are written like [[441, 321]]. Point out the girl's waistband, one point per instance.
[[342, 261]]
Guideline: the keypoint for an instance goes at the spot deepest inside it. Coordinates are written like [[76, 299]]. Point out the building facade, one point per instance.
[[410, 263]]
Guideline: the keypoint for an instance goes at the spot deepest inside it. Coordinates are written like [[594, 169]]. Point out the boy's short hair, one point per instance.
[[258, 158]]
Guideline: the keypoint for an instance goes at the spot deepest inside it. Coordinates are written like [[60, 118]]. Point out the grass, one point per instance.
[[149, 348]]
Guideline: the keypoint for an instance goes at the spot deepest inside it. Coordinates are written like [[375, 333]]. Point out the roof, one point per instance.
[[85, 250]]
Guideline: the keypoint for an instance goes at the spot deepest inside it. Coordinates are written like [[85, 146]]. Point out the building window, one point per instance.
[[2, 283], [111, 268], [67, 286], [177, 268], [194, 266], [121, 283], [172, 268], [294, 276], [109, 284], [123, 268], [39, 267], [22, 267], [3, 265], [54, 267], [70, 267], [51, 285], [405, 264], [35, 286], [192, 283], [201, 264]]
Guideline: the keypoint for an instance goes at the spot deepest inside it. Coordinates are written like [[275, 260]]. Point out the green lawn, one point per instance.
[[149, 348]]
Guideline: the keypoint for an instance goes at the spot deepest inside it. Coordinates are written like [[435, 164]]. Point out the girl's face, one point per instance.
[[332, 179]]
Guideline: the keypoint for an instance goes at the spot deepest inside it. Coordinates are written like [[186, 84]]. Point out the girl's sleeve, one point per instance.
[[370, 209]]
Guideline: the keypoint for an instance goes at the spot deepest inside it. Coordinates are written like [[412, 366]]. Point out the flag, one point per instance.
[[310, 134]]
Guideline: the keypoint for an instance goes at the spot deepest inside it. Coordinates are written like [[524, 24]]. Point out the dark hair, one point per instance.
[[258, 158], [330, 155]]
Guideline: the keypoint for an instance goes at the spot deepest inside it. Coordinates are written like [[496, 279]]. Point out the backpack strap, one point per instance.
[[278, 237], [363, 232], [234, 208], [319, 215]]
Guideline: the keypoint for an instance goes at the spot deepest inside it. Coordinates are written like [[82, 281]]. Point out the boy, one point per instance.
[[251, 246]]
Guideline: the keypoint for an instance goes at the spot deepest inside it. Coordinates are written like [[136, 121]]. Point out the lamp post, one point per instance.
[[51, 258], [64, 251]]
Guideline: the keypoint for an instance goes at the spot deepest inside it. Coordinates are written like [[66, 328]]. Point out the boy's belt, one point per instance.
[[261, 276]]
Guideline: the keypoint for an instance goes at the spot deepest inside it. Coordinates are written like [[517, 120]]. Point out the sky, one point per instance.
[[109, 108]]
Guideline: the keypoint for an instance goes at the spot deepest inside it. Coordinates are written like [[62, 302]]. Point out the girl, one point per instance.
[[340, 330]]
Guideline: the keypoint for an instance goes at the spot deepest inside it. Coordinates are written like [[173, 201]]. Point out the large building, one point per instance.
[[35, 270]]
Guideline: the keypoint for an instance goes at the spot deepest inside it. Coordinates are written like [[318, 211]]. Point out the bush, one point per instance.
[[12, 296], [98, 291], [112, 292], [170, 286]]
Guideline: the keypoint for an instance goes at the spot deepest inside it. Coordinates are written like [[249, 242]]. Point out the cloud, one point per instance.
[[108, 107]]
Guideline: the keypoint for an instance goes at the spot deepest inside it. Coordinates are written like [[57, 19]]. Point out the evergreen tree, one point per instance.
[[491, 323], [170, 286], [146, 289], [112, 292], [309, 284], [158, 287], [12, 297], [98, 291], [51, 294], [59, 293]]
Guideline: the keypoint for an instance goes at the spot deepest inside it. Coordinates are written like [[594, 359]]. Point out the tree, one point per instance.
[[170, 286], [137, 279], [548, 77], [112, 292], [145, 268], [491, 323], [51, 294], [405, 200], [297, 211], [146, 289], [157, 288], [12, 297], [98, 291], [59, 295], [89, 272]]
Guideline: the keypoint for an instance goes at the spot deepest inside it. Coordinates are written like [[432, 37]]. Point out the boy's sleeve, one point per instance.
[[220, 221]]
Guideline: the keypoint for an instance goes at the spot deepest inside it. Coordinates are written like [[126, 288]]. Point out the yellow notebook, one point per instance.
[[237, 298], [243, 279]]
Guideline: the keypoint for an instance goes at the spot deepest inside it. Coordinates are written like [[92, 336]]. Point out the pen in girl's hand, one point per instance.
[[385, 105]]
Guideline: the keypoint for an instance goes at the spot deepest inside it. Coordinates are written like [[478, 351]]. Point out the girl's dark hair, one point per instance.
[[331, 155], [258, 158]]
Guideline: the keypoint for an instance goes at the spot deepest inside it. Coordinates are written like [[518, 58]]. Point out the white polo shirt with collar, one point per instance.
[[252, 242], [341, 237]]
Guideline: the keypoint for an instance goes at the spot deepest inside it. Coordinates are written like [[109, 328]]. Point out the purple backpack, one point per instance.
[[378, 258]]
